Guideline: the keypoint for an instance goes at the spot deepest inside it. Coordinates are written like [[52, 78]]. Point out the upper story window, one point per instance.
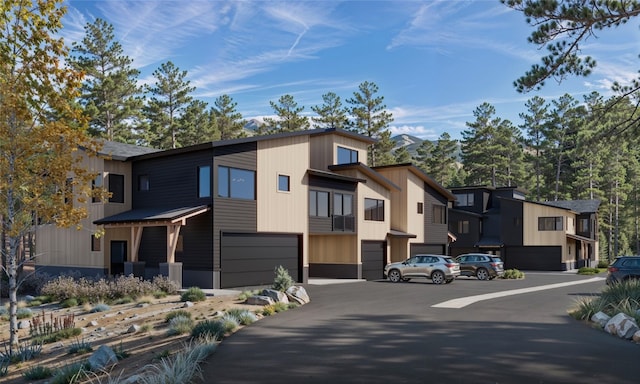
[[439, 214], [583, 225], [204, 181], [95, 243], [464, 200], [236, 183], [143, 182], [550, 223], [116, 188], [420, 208], [342, 204], [347, 156], [96, 184], [284, 184], [463, 226], [318, 203], [374, 209]]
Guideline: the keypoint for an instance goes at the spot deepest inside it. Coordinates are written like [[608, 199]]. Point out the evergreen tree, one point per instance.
[[110, 95], [402, 156], [331, 114], [509, 141], [424, 156], [482, 153], [535, 127], [229, 121], [170, 96], [439, 160], [289, 118], [566, 117], [369, 117], [197, 125]]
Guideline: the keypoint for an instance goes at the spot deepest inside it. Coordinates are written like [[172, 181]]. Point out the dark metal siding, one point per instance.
[[231, 215], [511, 229], [153, 246], [374, 254], [536, 258], [250, 258], [433, 249], [197, 243], [173, 180], [464, 240], [434, 233]]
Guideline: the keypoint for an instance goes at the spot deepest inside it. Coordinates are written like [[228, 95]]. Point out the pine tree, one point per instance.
[[110, 95], [565, 119], [402, 156], [535, 141], [331, 114], [197, 125], [170, 96], [228, 120], [289, 117], [442, 162], [369, 117]]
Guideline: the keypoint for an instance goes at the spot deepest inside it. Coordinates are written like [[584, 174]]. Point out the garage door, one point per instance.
[[535, 258], [248, 259], [432, 249], [374, 255]]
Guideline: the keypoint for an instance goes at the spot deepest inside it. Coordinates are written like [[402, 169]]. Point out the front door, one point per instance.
[[118, 257]]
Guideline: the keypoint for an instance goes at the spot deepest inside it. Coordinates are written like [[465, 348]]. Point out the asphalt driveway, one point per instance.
[[379, 332]]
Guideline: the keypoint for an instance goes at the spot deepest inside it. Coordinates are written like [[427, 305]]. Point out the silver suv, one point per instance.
[[440, 269]]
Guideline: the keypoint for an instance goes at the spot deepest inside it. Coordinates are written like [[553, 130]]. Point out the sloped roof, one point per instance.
[[424, 177], [370, 172], [122, 151], [579, 206], [152, 215]]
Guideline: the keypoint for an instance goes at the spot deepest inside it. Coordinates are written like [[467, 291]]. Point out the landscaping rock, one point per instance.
[[298, 294], [276, 295], [24, 324], [601, 319], [636, 337], [93, 323], [102, 359], [621, 325], [133, 328], [187, 304], [260, 300]]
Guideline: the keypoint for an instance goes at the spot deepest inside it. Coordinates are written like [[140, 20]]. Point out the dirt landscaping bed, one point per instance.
[[114, 328]]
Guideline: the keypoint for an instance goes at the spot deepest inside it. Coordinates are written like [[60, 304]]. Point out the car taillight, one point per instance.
[[450, 265], [494, 265], [613, 269]]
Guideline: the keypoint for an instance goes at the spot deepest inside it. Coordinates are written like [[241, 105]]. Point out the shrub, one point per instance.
[[120, 352], [588, 271], [213, 329], [268, 310], [176, 313], [283, 280], [80, 347], [102, 307], [159, 294], [4, 313], [24, 313], [62, 334], [179, 325], [71, 373], [247, 294], [603, 264], [123, 300], [68, 303], [38, 372], [183, 367], [163, 284], [193, 294], [244, 316], [513, 274]]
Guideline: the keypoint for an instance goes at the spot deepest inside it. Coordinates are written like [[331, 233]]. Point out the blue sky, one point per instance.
[[433, 61]]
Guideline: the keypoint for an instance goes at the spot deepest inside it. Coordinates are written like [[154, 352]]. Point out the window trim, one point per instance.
[[464, 199], [351, 152], [282, 177], [373, 213], [112, 199], [463, 227], [441, 215], [313, 203], [550, 223], [96, 245], [229, 183], [420, 208], [204, 170]]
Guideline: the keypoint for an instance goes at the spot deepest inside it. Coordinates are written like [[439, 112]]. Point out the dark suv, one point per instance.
[[623, 268], [481, 265]]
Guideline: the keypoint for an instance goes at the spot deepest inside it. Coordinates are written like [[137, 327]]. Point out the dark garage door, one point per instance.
[[374, 255], [250, 259], [535, 258], [432, 249]]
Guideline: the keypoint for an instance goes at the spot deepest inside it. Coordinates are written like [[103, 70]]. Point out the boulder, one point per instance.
[[600, 318], [636, 337], [133, 328], [260, 300], [24, 324], [103, 358], [276, 295], [187, 304], [298, 294], [621, 325]]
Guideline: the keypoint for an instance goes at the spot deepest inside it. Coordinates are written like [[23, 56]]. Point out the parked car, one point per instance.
[[440, 269], [623, 268], [481, 265]]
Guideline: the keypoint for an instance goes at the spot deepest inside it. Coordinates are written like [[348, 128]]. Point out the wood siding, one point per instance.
[[434, 233], [533, 237], [324, 150], [336, 249]]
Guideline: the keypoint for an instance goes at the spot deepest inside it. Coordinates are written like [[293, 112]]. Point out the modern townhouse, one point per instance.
[[227, 213], [555, 236]]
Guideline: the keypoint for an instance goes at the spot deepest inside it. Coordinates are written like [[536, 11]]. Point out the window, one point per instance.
[[236, 183], [347, 156], [116, 188], [95, 243], [374, 209], [319, 203], [439, 214], [463, 226], [143, 182], [550, 223], [204, 181], [343, 219], [96, 184], [464, 200], [420, 208], [283, 183], [583, 225]]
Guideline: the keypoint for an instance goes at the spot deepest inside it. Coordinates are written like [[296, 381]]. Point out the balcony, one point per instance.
[[344, 223]]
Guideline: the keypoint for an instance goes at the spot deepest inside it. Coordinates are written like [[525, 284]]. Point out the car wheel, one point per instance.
[[437, 277], [394, 276], [482, 274]]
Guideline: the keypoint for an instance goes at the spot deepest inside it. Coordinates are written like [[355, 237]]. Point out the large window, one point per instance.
[[343, 219], [550, 223], [464, 200], [347, 156], [204, 181], [439, 214], [374, 209], [319, 203], [116, 188], [236, 183]]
